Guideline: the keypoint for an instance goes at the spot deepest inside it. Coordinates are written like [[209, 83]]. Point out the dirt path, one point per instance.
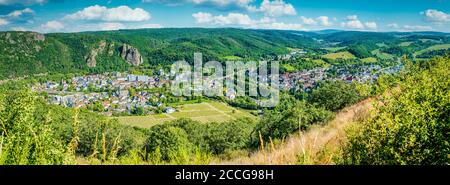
[[315, 146]]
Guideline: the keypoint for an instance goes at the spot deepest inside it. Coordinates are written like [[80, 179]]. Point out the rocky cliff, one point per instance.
[[131, 55]]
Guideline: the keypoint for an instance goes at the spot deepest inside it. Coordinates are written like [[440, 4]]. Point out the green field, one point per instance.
[[334, 49], [381, 55], [433, 48], [202, 112], [339, 55], [369, 60], [232, 58], [405, 44]]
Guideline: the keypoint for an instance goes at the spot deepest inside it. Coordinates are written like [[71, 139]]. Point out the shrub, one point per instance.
[[171, 142], [412, 122]]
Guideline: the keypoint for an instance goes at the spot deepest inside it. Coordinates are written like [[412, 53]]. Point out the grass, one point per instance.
[[339, 55], [382, 45], [334, 49], [433, 48], [232, 58], [381, 55], [405, 44], [203, 112], [319, 145], [369, 60]]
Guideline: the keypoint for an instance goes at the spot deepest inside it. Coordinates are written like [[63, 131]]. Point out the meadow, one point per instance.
[[339, 55], [202, 112]]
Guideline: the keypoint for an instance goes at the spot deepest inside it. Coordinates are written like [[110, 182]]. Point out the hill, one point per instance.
[[25, 53]]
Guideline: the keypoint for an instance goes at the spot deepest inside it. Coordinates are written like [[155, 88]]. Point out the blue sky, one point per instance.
[[90, 15]]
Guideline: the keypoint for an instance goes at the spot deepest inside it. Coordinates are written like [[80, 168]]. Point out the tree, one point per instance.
[[412, 121], [334, 95]]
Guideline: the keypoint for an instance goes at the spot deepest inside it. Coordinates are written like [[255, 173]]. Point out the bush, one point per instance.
[[334, 95], [412, 123], [280, 124], [170, 142]]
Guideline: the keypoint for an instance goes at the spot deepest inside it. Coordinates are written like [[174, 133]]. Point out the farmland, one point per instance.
[[339, 55], [433, 48], [202, 112]]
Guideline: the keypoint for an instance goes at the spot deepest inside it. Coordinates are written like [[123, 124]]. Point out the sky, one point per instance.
[[92, 15]]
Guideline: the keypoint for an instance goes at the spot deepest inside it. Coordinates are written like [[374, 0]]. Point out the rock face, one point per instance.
[[131, 55], [91, 58]]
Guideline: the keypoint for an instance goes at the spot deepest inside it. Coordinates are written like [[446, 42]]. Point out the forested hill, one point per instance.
[[23, 53]]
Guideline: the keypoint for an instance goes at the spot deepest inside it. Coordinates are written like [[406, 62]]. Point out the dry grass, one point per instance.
[[318, 145]]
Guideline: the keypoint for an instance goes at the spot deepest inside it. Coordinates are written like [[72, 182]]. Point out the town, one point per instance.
[[128, 94]]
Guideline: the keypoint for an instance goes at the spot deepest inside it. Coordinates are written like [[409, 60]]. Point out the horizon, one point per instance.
[[237, 28], [61, 16]]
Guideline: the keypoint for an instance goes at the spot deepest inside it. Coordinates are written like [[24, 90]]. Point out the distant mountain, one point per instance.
[[23, 53]]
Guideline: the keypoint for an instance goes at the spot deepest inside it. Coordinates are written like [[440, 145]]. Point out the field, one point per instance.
[[369, 60], [339, 55], [433, 48], [334, 49], [405, 44], [381, 55], [202, 112]]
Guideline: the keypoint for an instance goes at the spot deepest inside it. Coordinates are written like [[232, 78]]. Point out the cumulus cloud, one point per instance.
[[270, 8], [23, 2], [18, 13], [417, 28], [353, 22], [120, 14], [52, 26], [274, 8], [371, 25], [436, 16], [214, 3], [3, 22], [321, 20], [243, 20], [230, 19], [393, 25]]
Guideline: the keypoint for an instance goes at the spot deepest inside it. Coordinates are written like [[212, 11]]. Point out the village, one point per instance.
[[128, 94]]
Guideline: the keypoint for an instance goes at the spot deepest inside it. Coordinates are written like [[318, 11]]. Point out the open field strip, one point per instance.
[[202, 112]]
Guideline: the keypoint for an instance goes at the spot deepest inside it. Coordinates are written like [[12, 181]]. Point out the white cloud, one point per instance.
[[393, 25], [101, 13], [352, 17], [18, 13], [274, 8], [353, 22], [371, 25], [24, 2], [308, 21], [230, 19], [324, 21], [417, 28], [215, 3], [436, 16], [3, 22], [321, 20], [243, 20], [52, 26]]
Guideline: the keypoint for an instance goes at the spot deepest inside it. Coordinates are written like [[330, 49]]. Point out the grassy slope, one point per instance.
[[315, 146]]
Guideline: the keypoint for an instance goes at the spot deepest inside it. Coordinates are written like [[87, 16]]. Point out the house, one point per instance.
[[169, 110]]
